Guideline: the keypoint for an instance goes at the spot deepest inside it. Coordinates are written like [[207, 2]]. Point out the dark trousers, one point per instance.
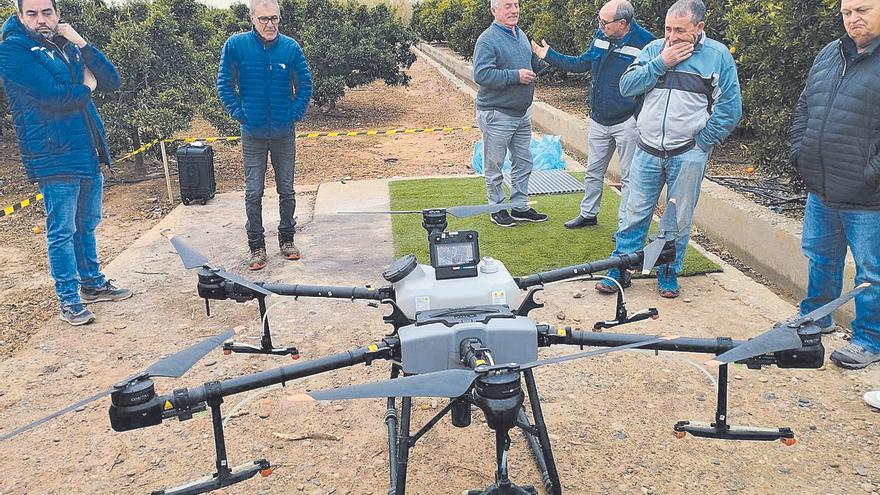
[[256, 154]]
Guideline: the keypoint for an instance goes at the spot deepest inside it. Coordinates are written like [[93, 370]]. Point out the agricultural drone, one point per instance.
[[460, 330]]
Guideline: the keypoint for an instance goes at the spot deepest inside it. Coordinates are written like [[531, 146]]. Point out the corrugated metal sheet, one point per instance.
[[550, 182]]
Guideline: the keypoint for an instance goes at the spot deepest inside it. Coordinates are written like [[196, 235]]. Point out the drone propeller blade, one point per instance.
[[597, 352], [173, 367], [780, 338], [447, 383], [387, 212], [669, 220], [784, 336], [190, 256], [473, 210], [827, 309], [242, 282], [177, 364], [72, 407], [652, 254]]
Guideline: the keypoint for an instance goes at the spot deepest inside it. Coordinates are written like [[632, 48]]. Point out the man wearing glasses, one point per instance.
[[617, 43], [264, 82]]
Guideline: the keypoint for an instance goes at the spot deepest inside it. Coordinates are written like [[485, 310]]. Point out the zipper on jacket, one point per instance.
[[268, 86], [663, 125], [825, 118]]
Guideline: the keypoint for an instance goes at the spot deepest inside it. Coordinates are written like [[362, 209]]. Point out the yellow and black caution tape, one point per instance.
[[302, 135], [9, 210], [137, 151]]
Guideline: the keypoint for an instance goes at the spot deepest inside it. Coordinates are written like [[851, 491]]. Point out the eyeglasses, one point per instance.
[[266, 19], [602, 22]]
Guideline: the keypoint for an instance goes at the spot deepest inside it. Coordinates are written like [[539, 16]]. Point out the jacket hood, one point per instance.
[[13, 26]]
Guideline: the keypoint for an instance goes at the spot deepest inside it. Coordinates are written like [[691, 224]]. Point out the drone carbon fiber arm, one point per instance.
[[805, 357], [182, 401], [622, 261], [330, 291]]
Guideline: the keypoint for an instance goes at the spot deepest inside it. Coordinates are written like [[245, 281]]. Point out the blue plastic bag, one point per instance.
[[546, 155]]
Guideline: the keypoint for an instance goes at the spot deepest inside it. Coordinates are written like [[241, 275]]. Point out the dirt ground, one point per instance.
[[610, 418]]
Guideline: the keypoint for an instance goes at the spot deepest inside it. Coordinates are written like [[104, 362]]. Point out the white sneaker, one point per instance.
[[872, 399]]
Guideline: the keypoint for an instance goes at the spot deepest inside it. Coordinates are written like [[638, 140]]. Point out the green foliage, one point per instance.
[[530, 247], [464, 33], [774, 44], [158, 48], [348, 44], [433, 19]]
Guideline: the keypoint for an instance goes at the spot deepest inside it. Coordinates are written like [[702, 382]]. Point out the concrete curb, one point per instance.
[[766, 241]]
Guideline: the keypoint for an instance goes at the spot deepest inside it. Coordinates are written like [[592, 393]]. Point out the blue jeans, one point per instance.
[[73, 212], [255, 153], [827, 233], [683, 175]]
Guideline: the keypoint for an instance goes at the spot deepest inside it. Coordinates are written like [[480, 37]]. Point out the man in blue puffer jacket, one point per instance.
[[49, 73], [618, 42], [265, 84]]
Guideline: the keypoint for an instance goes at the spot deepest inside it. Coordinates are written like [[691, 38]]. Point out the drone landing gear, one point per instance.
[[621, 317], [503, 485], [721, 430], [400, 442], [266, 346], [225, 476]]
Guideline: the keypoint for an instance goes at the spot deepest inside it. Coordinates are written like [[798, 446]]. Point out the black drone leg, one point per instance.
[[721, 411], [219, 441], [391, 424], [503, 485], [403, 444], [541, 429]]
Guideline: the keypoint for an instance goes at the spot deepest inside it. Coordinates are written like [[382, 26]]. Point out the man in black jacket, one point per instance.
[[836, 147]]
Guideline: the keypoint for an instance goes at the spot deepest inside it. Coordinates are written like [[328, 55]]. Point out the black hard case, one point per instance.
[[195, 165]]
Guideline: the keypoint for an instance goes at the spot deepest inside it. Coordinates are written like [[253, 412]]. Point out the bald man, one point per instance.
[[618, 41]]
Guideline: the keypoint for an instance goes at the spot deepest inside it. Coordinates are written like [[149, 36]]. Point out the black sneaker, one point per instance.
[[107, 292], [76, 314], [529, 215], [502, 219]]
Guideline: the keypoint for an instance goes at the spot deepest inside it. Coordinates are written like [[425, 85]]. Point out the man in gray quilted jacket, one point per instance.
[[836, 147]]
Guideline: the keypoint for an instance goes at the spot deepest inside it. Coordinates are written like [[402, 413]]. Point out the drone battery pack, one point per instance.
[[195, 164]]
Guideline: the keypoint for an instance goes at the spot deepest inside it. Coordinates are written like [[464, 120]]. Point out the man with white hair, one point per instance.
[[617, 43], [264, 82], [505, 68]]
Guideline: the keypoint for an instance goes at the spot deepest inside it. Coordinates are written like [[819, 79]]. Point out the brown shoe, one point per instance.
[[289, 250], [258, 259]]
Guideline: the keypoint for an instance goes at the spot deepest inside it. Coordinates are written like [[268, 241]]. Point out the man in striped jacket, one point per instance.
[[690, 103]]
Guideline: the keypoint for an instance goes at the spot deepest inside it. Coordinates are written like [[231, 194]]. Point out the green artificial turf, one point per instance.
[[525, 249]]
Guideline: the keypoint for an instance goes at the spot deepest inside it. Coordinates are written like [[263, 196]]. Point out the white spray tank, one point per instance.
[[417, 289]]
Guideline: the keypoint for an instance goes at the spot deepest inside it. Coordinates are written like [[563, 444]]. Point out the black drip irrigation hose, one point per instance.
[[771, 192]]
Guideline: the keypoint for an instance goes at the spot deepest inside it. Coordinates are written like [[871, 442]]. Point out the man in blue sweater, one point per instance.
[[691, 102], [505, 68], [616, 45], [49, 73], [264, 82]]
